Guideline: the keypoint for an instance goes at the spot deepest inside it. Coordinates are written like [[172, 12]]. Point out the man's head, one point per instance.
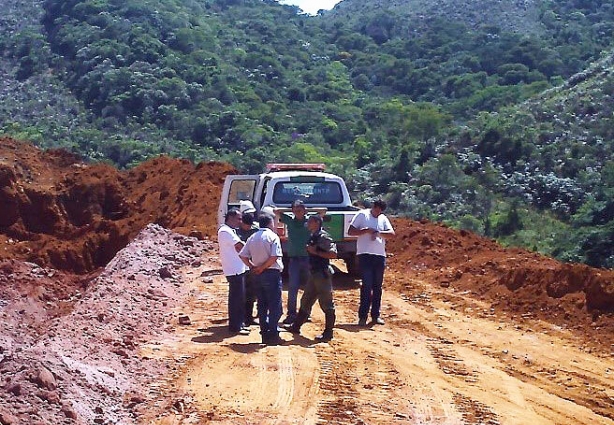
[[378, 207], [298, 209], [314, 223], [233, 218], [247, 220], [268, 210], [266, 220]]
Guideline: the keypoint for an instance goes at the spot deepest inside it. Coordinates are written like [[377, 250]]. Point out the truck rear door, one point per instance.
[[237, 189]]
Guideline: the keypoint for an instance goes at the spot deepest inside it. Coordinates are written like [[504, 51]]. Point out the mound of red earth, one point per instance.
[[514, 281], [69, 346], [60, 212]]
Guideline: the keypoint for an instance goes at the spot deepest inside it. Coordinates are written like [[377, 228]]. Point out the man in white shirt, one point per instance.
[[234, 270], [262, 254], [372, 228]]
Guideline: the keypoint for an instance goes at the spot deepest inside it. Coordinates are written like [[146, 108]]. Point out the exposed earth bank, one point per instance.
[[62, 213], [96, 320]]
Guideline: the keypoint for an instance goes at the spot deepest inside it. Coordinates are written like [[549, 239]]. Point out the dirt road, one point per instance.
[[441, 358]]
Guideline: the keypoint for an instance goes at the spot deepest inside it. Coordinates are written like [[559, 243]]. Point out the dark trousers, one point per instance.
[[319, 287], [269, 301], [372, 271], [251, 294], [236, 302]]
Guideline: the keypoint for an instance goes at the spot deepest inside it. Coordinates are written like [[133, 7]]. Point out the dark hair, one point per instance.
[[298, 203], [264, 220], [247, 218], [380, 203], [231, 213], [316, 217]]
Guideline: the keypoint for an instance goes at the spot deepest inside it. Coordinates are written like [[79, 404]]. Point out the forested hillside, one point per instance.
[[488, 115]]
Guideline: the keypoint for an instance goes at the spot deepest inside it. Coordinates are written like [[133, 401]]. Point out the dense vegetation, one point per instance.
[[432, 113]]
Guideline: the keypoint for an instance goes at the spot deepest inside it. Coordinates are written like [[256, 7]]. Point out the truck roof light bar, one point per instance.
[[295, 167]]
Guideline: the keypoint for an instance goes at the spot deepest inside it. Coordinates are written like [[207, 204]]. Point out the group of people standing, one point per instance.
[[252, 263]]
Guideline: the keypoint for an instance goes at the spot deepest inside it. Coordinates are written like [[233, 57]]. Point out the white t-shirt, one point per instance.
[[231, 263], [261, 246], [365, 244]]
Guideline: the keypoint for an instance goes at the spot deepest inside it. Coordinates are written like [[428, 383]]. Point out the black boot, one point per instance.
[[327, 335], [301, 318], [272, 338]]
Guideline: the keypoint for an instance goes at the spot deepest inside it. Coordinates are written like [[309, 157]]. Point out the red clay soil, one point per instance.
[[517, 282], [60, 212], [62, 221]]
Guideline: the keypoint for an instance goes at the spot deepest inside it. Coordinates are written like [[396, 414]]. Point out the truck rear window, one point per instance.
[[241, 190], [312, 193]]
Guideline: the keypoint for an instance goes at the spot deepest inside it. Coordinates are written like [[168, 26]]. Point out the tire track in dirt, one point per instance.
[[435, 361], [503, 361], [285, 389], [234, 379], [337, 403], [579, 388], [356, 386], [448, 360], [385, 370], [475, 412]]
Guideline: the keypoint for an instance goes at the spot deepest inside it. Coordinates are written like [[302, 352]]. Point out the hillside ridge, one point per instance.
[[514, 16]]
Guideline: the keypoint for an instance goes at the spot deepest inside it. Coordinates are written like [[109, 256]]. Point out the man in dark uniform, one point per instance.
[[321, 250]]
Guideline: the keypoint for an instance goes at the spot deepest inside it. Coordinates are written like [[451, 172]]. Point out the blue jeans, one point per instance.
[[236, 302], [269, 301], [297, 266], [372, 271]]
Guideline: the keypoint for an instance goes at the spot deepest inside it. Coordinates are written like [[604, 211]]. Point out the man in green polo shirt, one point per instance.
[[298, 237]]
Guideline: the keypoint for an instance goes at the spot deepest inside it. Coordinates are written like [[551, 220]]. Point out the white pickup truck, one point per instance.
[[281, 184]]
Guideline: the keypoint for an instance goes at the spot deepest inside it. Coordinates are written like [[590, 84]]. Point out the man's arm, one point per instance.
[[268, 263], [353, 231], [247, 262], [282, 217], [245, 256], [357, 226], [385, 234], [228, 239], [325, 247], [389, 231], [313, 250]]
